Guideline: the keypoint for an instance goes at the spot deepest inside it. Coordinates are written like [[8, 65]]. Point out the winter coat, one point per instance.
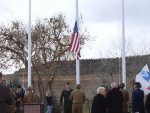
[[147, 103], [12, 107], [125, 100], [65, 98], [138, 101], [115, 101], [99, 104], [5, 98], [30, 98], [49, 100]]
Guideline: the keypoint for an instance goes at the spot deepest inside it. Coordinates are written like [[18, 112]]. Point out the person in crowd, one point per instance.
[[19, 96], [5, 97], [49, 102], [147, 103], [99, 102], [12, 107], [30, 97], [78, 98], [65, 98], [125, 98], [114, 99], [138, 99]]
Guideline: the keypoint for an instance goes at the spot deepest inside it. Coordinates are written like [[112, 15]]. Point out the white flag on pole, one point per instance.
[[144, 78]]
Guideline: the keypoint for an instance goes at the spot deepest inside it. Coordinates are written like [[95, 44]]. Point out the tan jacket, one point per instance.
[[31, 98], [77, 97], [12, 107], [125, 99]]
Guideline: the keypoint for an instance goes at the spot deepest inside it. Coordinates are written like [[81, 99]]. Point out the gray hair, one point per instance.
[[114, 85], [100, 90]]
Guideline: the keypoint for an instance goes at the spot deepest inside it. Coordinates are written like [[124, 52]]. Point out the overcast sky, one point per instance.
[[102, 18]]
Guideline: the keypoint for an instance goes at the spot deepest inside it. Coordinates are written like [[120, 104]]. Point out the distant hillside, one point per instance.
[[106, 65], [94, 73]]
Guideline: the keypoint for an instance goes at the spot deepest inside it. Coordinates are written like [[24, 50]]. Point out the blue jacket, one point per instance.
[[49, 100], [138, 101]]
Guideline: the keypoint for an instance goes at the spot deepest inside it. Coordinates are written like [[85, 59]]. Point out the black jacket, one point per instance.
[[147, 103], [65, 95], [5, 98], [138, 101], [49, 100], [115, 101], [99, 104]]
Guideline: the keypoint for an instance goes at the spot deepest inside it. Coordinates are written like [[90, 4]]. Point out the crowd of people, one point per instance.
[[11, 100], [116, 100]]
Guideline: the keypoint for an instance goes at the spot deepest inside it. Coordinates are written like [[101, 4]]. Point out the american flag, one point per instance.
[[75, 42]]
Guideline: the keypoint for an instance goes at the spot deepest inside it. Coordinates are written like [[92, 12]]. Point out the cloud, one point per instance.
[[102, 18], [4, 6], [111, 10], [102, 10]]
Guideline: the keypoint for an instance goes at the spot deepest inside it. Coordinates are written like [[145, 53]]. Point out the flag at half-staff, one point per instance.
[[75, 42]]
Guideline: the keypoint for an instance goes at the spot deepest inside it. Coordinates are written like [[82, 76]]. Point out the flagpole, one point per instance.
[[77, 59], [123, 47], [29, 46], [77, 71]]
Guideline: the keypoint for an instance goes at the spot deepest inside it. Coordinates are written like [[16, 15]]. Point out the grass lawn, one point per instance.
[[86, 108]]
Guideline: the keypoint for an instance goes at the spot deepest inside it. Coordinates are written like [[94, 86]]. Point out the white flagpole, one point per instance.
[[77, 60], [77, 71], [29, 46], [123, 47]]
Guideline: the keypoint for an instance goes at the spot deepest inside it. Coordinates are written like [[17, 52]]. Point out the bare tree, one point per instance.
[[50, 43]]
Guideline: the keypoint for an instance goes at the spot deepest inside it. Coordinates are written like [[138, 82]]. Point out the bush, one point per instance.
[[56, 108]]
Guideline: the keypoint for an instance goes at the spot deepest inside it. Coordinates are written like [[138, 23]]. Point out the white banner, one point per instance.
[[144, 78]]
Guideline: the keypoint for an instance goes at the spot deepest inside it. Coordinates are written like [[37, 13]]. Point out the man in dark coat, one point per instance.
[[138, 99], [147, 103], [115, 99], [99, 101], [65, 96], [5, 97]]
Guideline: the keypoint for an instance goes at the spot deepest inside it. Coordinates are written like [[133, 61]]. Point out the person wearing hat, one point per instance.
[[65, 98], [5, 97], [78, 98], [138, 99], [125, 97]]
